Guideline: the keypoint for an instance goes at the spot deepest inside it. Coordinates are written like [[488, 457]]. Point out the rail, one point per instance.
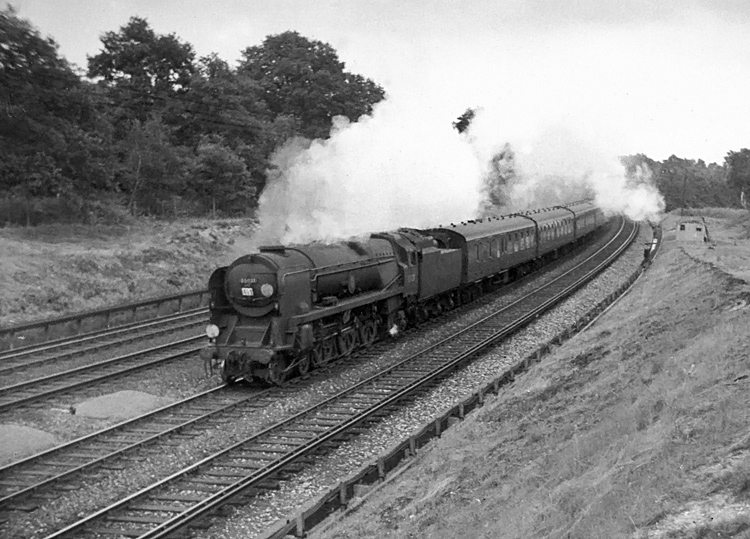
[[78, 323]]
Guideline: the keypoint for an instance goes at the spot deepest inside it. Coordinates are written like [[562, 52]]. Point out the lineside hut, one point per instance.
[[692, 229]]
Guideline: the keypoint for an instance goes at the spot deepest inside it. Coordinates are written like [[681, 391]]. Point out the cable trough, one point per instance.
[[257, 463]]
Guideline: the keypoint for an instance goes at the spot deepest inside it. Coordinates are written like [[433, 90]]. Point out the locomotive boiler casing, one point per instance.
[[343, 269]]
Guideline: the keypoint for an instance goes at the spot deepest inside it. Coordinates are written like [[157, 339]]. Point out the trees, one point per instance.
[[738, 174], [305, 79], [685, 182], [158, 132], [141, 69], [52, 140], [138, 58], [222, 177], [152, 170]]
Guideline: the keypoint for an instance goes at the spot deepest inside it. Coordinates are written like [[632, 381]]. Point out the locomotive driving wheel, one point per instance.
[[304, 363], [317, 355], [329, 350], [225, 376], [277, 371], [347, 340], [368, 332]]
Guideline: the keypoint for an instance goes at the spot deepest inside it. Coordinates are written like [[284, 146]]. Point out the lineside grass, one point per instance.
[[56, 270], [638, 428]]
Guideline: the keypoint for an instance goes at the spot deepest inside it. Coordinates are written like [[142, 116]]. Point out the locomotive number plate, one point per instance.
[[247, 291]]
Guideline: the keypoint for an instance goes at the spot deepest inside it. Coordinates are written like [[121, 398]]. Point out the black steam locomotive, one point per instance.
[[293, 308]]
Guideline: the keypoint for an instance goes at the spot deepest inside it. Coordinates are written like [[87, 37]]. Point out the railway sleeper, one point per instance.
[[114, 466], [158, 507], [173, 497], [114, 531], [299, 436], [88, 455], [330, 419], [156, 429], [139, 520], [243, 465], [38, 473], [224, 473], [12, 483], [204, 485], [171, 443], [25, 507]]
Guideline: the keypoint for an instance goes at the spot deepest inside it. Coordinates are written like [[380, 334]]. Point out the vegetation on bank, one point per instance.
[[54, 270], [635, 428], [149, 129]]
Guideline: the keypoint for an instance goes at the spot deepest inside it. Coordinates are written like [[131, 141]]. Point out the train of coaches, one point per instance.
[[289, 309]]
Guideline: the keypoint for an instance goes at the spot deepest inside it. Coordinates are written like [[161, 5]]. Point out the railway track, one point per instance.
[[46, 387], [20, 480], [255, 464], [47, 353]]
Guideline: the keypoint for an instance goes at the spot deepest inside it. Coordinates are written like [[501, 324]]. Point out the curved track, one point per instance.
[[255, 463], [53, 385], [51, 352]]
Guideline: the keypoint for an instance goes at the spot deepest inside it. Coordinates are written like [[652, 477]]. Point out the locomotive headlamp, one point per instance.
[[212, 331], [267, 290]]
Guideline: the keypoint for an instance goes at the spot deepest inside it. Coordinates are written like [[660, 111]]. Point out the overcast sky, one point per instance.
[[659, 77]]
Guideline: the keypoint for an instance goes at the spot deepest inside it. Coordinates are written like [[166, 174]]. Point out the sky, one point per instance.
[[656, 77]]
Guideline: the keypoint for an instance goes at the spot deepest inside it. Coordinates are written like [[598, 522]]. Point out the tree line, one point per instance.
[[151, 129], [684, 183], [690, 183]]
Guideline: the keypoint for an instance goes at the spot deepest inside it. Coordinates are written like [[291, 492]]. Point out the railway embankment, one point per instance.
[[638, 427], [51, 271]]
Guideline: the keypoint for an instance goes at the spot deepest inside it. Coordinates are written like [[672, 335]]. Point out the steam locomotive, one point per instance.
[[290, 309]]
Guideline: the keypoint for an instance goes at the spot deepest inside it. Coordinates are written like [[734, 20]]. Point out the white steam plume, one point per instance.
[[557, 165], [406, 166], [399, 167]]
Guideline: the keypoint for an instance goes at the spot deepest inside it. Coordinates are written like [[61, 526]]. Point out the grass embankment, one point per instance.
[[639, 427], [57, 270]]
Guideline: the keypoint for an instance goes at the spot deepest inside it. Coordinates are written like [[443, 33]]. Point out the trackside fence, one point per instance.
[[342, 495], [49, 330]]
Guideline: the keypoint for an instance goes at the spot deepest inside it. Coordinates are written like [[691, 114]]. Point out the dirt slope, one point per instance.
[[52, 271], [639, 427]]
